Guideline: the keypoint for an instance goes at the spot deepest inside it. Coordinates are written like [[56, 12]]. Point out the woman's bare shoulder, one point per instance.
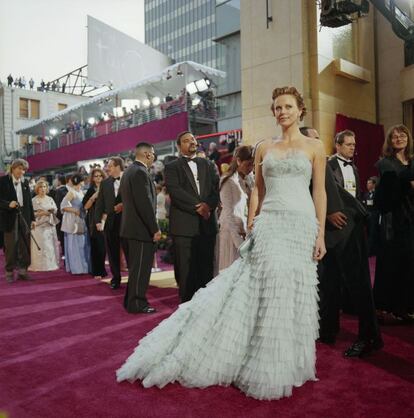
[[261, 146]]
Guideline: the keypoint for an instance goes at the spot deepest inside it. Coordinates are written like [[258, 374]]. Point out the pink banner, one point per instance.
[[111, 144]]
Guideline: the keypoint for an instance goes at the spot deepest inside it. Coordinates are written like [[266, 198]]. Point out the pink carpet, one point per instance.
[[62, 337]]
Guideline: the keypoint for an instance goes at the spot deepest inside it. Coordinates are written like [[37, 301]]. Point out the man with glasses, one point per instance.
[[350, 271], [139, 227]]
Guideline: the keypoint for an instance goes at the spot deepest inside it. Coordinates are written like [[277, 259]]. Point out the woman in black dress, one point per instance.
[[98, 252], [394, 276]]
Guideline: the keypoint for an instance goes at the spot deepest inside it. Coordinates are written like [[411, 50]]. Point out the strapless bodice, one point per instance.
[[287, 182]]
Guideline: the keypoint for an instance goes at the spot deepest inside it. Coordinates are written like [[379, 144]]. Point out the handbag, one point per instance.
[[78, 226], [246, 246]]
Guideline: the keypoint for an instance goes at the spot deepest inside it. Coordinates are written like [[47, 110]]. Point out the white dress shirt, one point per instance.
[[348, 175], [194, 169], [116, 185], [17, 183]]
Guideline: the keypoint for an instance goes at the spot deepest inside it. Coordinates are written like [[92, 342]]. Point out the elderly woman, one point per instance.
[[394, 274], [47, 257], [98, 251], [77, 247]]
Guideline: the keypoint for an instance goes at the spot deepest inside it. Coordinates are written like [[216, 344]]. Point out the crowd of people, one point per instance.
[[20, 82], [272, 241]]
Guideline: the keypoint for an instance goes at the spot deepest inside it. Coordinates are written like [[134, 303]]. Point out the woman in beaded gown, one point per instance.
[[254, 326]]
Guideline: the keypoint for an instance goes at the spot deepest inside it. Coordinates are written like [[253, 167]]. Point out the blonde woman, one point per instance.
[[254, 326], [47, 258]]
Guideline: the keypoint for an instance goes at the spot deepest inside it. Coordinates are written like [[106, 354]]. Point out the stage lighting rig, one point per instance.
[[336, 13]]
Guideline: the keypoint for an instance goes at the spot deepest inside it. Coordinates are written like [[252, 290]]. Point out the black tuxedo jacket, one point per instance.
[[337, 172], [351, 206], [7, 194], [106, 201], [139, 204], [179, 179], [58, 196]]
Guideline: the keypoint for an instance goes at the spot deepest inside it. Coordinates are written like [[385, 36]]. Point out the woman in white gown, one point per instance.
[[234, 196], [255, 325], [47, 258]]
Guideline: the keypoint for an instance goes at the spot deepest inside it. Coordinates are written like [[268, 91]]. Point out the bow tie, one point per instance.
[[345, 162], [117, 178], [189, 158]]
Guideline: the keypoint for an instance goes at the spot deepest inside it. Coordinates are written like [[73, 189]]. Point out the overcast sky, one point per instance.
[[48, 38]]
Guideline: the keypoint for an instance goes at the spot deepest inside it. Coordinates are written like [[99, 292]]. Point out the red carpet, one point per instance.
[[62, 338]]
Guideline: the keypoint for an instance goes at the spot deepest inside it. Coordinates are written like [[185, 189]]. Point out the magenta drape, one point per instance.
[[369, 140]]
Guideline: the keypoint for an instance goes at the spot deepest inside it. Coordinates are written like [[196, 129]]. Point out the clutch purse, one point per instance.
[[246, 246]]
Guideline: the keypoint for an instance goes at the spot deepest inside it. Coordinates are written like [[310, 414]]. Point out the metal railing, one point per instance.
[[77, 133]]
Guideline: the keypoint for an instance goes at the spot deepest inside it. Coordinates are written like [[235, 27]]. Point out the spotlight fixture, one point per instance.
[[179, 72], [91, 121], [191, 88], [155, 101], [201, 85], [146, 102], [108, 99], [105, 116], [168, 76], [118, 111], [53, 131], [198, 86], [195, 101]]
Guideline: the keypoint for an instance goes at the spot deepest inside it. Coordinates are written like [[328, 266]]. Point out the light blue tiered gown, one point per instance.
[[255, 324]]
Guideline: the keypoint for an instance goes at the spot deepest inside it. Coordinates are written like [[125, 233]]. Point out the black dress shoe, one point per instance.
[[327, 339], [147, 309], [24, 276], [362, 348], [115, 286]]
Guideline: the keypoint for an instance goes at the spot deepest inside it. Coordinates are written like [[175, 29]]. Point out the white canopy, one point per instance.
[[159, 85]]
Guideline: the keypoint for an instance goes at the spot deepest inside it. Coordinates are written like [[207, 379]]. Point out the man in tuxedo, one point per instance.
[[16, 219], [108, 216], [58, 195], [139, 226], [192, 183], [347, 249]]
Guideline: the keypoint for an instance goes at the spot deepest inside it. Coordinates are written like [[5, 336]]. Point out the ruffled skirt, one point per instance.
[[253, 326]]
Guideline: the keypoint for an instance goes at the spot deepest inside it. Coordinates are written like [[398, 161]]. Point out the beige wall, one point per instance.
[[270, 58], [371, 84], [390, 56], [294, 52], [350, 91]]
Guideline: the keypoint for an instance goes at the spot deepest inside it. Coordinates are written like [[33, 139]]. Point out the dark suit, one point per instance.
[[138, 226], [105, 205], [58, 196], [346, 263], [16, 233], [194, 238]]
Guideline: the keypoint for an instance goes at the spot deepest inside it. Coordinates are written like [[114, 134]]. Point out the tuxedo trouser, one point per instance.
[[141, 258], [17, 247], [193, 264], [348, 266], [61, 236], [114, 243]]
